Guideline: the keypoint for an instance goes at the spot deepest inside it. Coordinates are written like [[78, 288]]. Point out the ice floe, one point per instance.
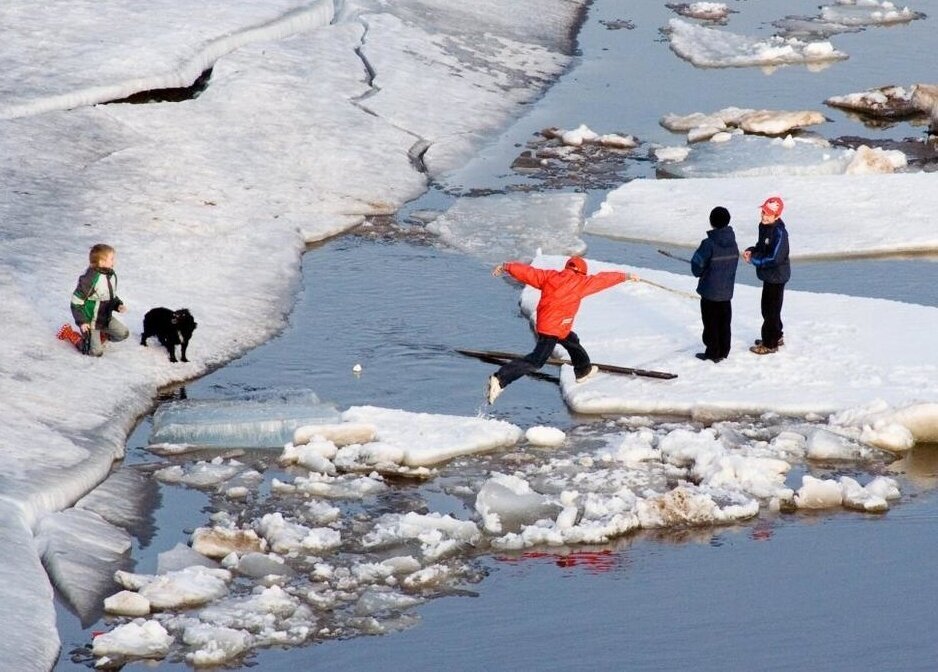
[[847, 16], [814, 374], [703, 11], [738, 155], [261, 419], [818, 209], [712, 48]]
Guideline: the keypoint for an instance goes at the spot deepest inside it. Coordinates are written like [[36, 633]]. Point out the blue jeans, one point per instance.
[[115, 331], [516, 368]]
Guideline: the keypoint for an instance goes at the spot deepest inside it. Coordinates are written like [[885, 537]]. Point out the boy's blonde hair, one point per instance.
[[98, 252]]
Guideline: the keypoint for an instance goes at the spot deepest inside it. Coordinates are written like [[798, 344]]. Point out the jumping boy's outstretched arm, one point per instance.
[[523, 273]]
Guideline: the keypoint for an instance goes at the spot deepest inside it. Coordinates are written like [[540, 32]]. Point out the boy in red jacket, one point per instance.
[[561, 293]]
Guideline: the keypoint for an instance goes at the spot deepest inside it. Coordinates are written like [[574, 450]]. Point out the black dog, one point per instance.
[[171, 327]]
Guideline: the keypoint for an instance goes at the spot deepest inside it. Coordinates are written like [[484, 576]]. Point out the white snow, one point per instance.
[[286, 145], [818, 209]]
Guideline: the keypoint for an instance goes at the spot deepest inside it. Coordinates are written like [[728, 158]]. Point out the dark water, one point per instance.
[[832, 591]]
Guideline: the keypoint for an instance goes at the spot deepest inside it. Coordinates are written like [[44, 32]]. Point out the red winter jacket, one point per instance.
[[561, 293]]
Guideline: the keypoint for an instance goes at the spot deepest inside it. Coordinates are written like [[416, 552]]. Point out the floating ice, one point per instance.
[[426, 439], [818, 493], [334, 487], [752, 156], [708, 47], [179, 557], [138, 639], [213, 645], [201, 474], [847, 16], [497, 228], [127, 603], [377, 601], [704, 11], [823, 444], [288, 538], [885, 102], [259, 565], [867, 13], [506, 502], [675, 212], [271, 615], [184, 588], [545, 436], [438, 535], [259, 420], [217, 542]]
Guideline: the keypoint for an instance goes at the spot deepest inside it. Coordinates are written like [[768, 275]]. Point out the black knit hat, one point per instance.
[[719, 217]]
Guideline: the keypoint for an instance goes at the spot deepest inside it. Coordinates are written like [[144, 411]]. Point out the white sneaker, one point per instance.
[[589, 374], [494, 389]]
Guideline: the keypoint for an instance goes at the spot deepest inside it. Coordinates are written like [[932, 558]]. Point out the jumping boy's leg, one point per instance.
[[516, 368], [578, 355]]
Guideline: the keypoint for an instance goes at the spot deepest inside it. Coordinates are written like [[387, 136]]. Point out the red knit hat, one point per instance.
[[773, 206], [577, 264]]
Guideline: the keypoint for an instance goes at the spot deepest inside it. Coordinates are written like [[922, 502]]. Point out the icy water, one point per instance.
[[833, 590]]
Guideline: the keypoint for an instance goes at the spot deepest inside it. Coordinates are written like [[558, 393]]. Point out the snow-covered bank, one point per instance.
[[840, 352], [827, 215], [209, 202]]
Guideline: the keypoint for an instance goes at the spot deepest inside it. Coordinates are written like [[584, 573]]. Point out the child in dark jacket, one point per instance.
[[715, 263], [95, 300], [770, 257], [561, 293]]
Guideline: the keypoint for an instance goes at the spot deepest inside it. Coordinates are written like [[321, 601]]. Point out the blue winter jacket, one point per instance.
[[770, 254], [715, 263]]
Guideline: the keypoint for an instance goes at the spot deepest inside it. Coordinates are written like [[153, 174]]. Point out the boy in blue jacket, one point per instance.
[[770, 257], [715, 263]]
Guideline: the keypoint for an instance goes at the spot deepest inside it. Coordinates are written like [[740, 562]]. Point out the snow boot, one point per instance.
[[589, 374], [762, 350]]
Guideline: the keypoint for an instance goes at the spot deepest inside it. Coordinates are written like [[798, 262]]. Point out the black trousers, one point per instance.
[[772, 297], [516, 368], [717, 317]]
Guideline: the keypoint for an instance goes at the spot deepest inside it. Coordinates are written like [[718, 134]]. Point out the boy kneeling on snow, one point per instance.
[[95, 300]]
